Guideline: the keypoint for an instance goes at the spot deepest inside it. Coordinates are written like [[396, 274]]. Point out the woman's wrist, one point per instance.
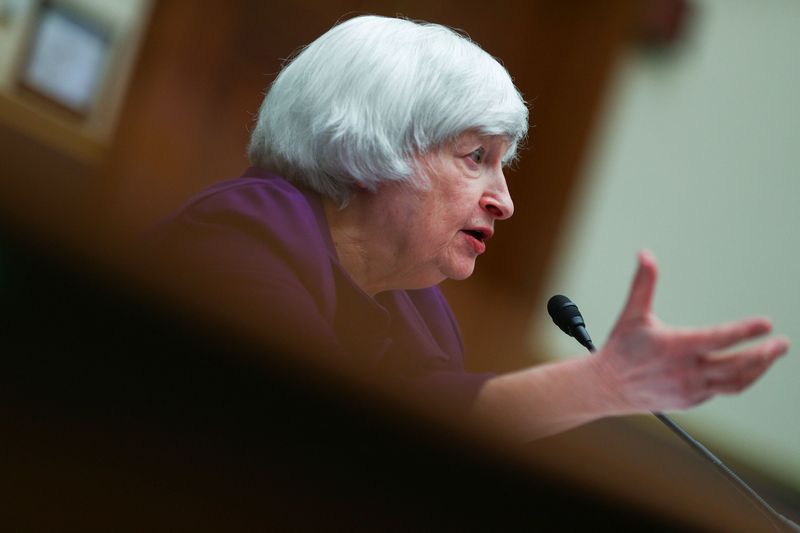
[[549, 398], [608, 386]]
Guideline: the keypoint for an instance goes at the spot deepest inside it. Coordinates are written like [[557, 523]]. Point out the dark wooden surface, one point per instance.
[[121, 411], [119, 415]]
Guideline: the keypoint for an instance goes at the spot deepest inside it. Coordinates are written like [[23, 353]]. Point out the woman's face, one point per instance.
[[439, 232]]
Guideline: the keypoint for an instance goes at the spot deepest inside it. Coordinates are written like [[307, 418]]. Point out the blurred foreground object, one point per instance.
[[122, 414]]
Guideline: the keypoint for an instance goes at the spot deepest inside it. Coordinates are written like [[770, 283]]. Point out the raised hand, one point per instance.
[[649, 366]]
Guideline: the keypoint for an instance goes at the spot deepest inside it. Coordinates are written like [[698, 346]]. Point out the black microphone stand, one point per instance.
[[780, 522]]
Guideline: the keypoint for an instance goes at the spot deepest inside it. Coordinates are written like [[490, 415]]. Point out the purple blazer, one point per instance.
[[266, 243]]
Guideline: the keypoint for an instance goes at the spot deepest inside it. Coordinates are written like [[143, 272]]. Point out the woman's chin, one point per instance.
[[462, 270]]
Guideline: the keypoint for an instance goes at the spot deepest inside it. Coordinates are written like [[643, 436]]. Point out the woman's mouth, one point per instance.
[[477, 238]]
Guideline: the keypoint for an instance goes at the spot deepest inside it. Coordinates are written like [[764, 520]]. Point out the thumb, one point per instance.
[[640, 297]]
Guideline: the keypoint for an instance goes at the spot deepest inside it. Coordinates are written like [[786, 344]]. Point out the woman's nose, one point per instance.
[[498, 201]]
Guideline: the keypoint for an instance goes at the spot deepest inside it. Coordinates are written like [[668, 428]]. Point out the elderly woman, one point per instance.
[[378, 172]]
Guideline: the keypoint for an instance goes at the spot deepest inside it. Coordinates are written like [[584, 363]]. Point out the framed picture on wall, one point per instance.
[[67, 58]]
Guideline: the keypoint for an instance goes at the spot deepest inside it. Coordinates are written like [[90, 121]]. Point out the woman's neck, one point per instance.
[[358, 245]]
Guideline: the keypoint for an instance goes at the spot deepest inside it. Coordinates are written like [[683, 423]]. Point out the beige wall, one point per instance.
[[698, 159]]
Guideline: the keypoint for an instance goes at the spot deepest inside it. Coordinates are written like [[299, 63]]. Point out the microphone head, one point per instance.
[[564, 313]]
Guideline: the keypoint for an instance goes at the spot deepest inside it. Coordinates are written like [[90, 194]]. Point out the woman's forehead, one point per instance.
[[471, 138]]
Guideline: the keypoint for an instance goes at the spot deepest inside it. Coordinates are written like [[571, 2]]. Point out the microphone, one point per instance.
[[567, 316]]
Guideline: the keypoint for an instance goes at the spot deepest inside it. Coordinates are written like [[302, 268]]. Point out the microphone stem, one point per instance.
[[780, 522]]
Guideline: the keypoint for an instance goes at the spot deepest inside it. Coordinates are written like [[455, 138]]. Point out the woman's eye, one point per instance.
[[478, 155]]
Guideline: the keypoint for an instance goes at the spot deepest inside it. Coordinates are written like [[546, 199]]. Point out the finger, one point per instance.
[[640, 298], [763, 354], [722, 336], [736, 372], [735, 386]]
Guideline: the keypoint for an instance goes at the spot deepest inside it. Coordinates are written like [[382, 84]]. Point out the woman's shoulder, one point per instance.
[[257, 219], [259, 205], [257, 195], [257, 232]]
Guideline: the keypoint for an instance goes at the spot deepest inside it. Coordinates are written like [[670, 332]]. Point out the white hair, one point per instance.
[[357, 105]]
